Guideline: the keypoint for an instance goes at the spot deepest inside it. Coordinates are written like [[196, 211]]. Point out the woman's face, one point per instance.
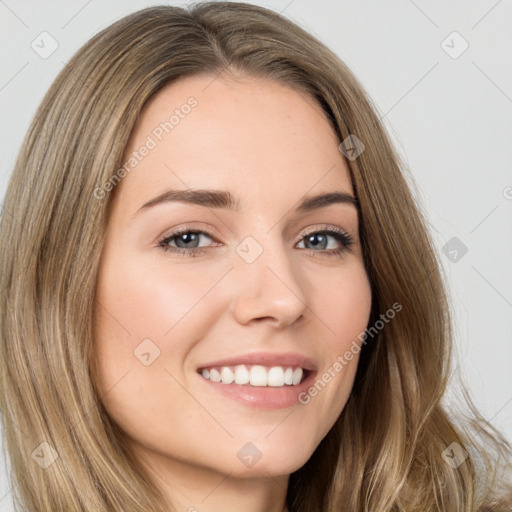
[[266, 282]]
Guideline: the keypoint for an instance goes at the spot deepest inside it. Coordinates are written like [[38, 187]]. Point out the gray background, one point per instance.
[[449, 113]]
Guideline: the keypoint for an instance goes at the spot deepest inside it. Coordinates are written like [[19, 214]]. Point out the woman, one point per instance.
[[171, 341]]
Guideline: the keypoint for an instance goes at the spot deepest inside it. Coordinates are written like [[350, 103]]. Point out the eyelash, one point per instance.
[[341, 236]]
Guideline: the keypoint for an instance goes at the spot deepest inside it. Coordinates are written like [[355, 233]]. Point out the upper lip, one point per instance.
[[265, 359]]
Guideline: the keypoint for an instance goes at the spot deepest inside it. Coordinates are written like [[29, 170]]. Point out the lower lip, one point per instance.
[[263, 397]]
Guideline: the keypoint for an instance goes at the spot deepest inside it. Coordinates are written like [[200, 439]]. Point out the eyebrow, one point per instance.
[[222, 199]]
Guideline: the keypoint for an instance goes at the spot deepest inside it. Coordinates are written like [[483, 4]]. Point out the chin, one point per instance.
[[270, 468], [268, 458]]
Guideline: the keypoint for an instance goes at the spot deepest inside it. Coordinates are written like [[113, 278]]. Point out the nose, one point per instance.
[[268, 288]]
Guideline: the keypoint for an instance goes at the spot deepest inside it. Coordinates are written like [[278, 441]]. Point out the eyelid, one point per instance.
[[323, 227], [185, 228]]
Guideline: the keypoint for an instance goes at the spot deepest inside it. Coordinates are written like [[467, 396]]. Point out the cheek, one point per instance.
[[150, 315], [153, 302], [342, 302], [145, 324], [343, 306]]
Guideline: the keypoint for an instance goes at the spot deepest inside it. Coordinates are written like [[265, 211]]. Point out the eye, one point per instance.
[[186, 241], [320, 240]]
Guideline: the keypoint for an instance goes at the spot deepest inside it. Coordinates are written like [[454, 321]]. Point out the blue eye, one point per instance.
[[188, 239], [185, 241], [321, 239]]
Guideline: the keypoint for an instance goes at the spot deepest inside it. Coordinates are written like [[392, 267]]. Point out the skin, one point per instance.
[[269, 145]]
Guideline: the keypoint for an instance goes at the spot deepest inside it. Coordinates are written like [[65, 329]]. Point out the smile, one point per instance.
[[264, 380], [255, 375]]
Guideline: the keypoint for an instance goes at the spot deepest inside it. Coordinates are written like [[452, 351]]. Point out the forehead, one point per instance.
[[261, 139]]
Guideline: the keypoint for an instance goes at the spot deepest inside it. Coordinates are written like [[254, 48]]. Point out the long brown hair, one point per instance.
[[387, 451]]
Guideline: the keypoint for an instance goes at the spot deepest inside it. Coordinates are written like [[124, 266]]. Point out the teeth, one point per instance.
[[297, 376], [215, 375], [226, 375], [276, 376], [242, 375], [257, 375]]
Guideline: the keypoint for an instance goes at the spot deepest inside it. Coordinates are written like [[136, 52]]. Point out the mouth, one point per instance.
[[265, 381], [255, 375]]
